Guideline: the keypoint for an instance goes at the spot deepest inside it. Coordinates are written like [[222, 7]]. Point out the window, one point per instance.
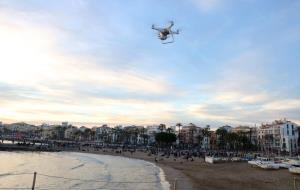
[[287, 129]]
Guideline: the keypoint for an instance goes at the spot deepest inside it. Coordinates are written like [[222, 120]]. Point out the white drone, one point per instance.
[[165, 33]]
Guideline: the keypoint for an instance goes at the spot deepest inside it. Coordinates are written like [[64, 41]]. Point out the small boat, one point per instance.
[[257, 162], [236, 159], [269, 165], [283, 165], [253, 163], [295, 169], [209, 159]]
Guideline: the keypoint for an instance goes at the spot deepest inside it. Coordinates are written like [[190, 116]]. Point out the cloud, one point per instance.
[[285, 104], [207, 5], [240, 94], [39, 80]]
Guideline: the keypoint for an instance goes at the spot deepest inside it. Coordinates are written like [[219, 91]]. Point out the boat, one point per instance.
[[253, 163], [295, 169], [236, 159], [258, 161], [209, 159], [268, 165]]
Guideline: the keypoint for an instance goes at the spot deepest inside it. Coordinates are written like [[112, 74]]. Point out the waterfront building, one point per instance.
[[70, 133], [151, 131], [191, 134], [279, 136], [249, 132], [103, 134], [133, 135]]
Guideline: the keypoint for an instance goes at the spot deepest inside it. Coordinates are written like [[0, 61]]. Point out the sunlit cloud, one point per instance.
[[68, 87]]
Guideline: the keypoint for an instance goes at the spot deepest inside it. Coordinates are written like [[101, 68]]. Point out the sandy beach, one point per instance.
[[198, 175]]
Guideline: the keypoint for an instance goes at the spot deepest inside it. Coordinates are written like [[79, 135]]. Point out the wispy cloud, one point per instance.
[[207, 5], [241, 94]]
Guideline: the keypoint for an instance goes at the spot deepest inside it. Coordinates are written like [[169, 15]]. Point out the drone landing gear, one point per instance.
[[167, 42]]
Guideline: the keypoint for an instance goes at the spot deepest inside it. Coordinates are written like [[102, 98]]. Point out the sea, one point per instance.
[[71, 170]]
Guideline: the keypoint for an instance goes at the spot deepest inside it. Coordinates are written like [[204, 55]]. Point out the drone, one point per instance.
[[165, 33]]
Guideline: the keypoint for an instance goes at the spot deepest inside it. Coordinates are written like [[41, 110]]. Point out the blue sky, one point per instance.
[[93, 62]]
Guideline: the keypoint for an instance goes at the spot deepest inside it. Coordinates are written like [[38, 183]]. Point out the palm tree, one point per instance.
[[114, 135], [170, 130], [77, 134], [179, 125], [221, 136], [144, 136], [136, 134], [87, 133], [200, 139], [93, 135]]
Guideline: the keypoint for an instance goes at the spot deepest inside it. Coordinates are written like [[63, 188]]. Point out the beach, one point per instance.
[[198, 175]]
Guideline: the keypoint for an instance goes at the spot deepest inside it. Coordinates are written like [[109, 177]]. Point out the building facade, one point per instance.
[[280, 136]]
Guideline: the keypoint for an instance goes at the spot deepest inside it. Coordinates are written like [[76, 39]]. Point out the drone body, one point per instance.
[[165, 33]]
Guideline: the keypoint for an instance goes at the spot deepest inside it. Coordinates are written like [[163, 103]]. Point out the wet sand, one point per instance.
[[198, 175]]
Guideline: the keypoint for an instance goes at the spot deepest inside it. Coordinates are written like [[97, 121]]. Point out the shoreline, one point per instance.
[[198, 174], [171, 174]]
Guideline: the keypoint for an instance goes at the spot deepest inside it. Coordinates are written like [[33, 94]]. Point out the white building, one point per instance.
[[151, 131], [280, 135], [205, 143], [70, 132], [103, 133]]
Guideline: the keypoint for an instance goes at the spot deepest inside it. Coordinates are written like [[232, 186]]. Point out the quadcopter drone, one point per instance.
[[165, 33]]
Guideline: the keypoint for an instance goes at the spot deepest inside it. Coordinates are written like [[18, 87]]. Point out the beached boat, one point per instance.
[[258, 161], [253, 163], [289, 163], [236, 159], [210, 159], [295, 169], [269, 165], [283, 165]]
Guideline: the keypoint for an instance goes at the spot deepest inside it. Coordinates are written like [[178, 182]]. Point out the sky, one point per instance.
[[92, 62]]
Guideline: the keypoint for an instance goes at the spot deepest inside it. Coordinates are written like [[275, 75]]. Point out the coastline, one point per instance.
[[198, 174], [183, 182]]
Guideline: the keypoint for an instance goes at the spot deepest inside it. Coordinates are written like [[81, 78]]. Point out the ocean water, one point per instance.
[[66, 170]]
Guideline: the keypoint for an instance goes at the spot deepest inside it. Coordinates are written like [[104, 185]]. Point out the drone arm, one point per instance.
[[171, 24], [155, 28]]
